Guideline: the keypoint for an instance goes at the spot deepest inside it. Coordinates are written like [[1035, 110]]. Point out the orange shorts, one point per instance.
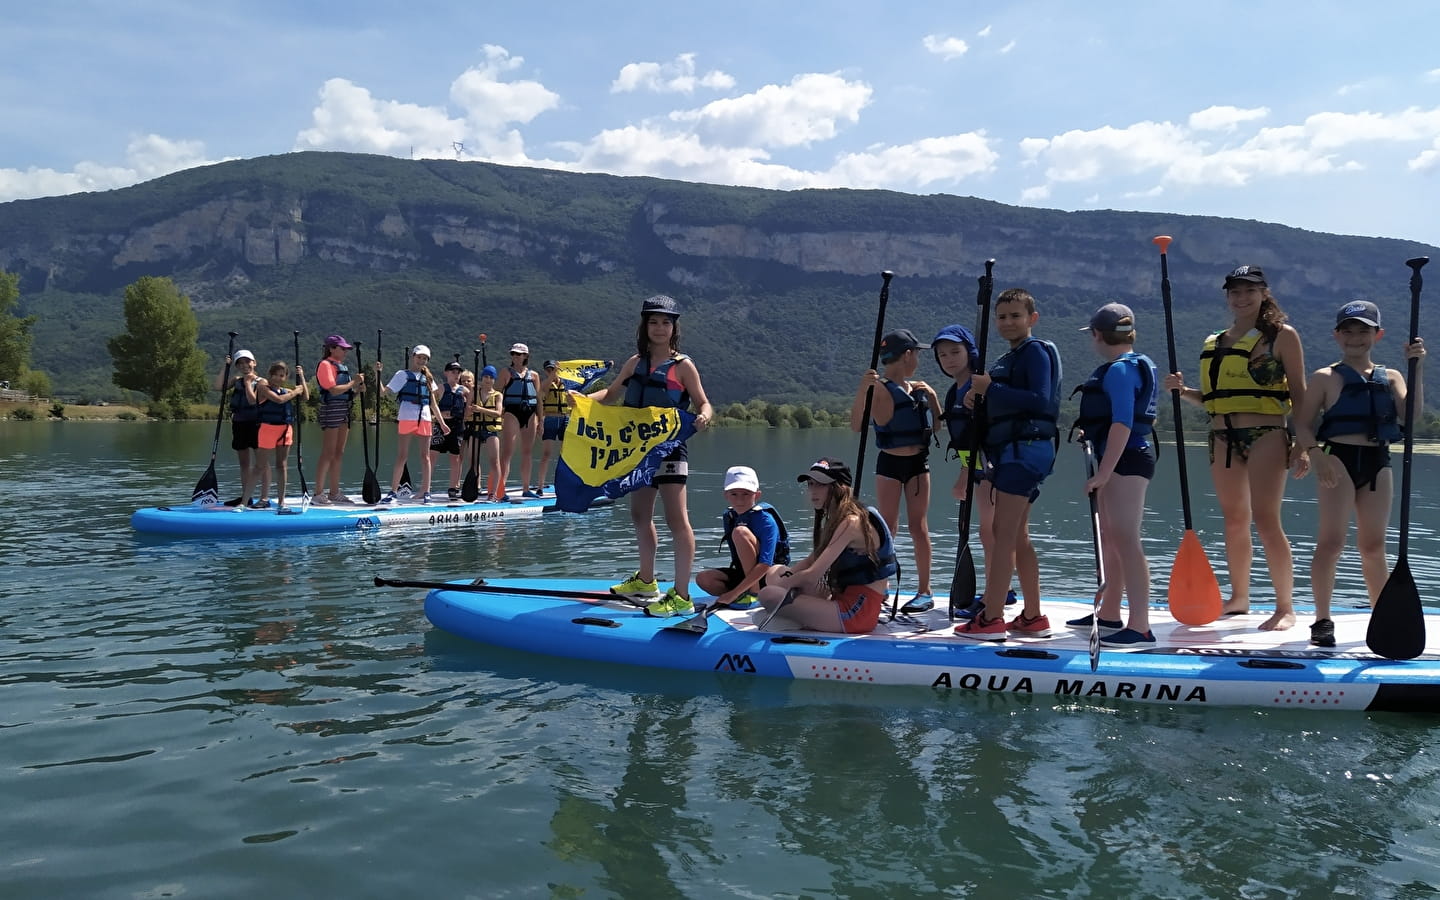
[[860, 608], [272, 436], [411, 426]]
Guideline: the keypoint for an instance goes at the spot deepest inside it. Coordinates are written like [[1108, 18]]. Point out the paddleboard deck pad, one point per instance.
[[218, 520], [1226, 663]]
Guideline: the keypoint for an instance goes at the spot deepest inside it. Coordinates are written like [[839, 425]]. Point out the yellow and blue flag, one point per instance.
[[580, 374], [613, 450]]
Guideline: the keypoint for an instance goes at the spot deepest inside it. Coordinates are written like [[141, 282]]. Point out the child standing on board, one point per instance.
[[337, 396], [483, 416], [277, 416], [1022, 408], [555, 403], [757, 542], [416, 391], [1117, 416], [903, 412], [1361, 406], [841, 586], [244, 421], [452, 403], [660, 375]]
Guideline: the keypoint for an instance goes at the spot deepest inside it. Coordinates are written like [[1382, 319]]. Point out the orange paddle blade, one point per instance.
[[1194, 591]]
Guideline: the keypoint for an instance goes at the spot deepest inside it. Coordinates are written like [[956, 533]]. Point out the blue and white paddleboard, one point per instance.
[[1226, 663], [217, 520]]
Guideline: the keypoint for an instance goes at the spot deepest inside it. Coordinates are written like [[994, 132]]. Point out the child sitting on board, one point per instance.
[[757, 538]]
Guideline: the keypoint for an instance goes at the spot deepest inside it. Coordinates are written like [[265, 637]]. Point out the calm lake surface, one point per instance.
[[229, 718]]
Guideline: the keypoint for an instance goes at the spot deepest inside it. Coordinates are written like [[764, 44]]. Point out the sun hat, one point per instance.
[[827, 471], [959, 334], [741, 478], [520, 348]]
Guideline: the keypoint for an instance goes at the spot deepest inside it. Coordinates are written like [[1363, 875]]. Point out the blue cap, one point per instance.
[[491, 371], [959, 334]]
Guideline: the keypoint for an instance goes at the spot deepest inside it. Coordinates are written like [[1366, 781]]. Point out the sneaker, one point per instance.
[[319, 500], [672, 604], [238, 501], [388, 498], [919, 603], [530, 495], [637, 588], [340, 498], [1107, 626], [1036, 627], [745, 601], [1322, 633], [1129, 637], [979, 603], [453, 493], [982, 629], [259, 504], [425, 497]]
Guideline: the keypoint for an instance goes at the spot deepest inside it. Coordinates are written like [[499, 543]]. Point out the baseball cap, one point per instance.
[[520, 348], [1115, 317], [1251, 274], [420, 350], [551, 364], [741, 477], [244, 354], [827, 471], [1362, 311], [491, 371], [337, 340], [897, 342], [453, 366]]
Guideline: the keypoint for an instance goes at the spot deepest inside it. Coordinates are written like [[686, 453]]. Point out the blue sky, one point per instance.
[[1323, 115]]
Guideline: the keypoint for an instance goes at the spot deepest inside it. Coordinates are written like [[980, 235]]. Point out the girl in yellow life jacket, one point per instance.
[[1252, 375]]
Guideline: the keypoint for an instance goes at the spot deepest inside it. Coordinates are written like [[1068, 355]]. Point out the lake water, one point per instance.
[[218, 718]]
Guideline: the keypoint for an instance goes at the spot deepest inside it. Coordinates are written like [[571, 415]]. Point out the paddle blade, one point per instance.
[[1397, 626], [694, 624], [207, 489], [1194, 590], [962, 585], [370, 491], [1095, 629], [470, 489], [407, 487]]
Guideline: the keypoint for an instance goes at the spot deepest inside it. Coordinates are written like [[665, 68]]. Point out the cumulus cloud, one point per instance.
[[918, 164], [810, 108], [1433, 75], [1035, 194], [984, 32], [675, 77], [1225, 118], [945, 47], [146, 156]]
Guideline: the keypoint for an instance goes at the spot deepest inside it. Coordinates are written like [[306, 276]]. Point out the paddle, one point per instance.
[[207, 489], [370, 490], [406, 488], [1397, 626], [789, 597], [1089, 450], [470, 489], [694, 624], [480, 587], [962, 583], [299, 418], [379, 394], [870, 391], [1194, 594]]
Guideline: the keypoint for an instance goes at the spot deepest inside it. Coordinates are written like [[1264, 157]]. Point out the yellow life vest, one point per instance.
[[1228, 382], [556, 401]]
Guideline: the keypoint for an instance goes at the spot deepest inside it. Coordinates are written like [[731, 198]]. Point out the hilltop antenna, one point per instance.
[[459, 148]]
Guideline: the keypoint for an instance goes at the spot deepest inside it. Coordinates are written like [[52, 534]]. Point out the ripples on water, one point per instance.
[[213, 718]]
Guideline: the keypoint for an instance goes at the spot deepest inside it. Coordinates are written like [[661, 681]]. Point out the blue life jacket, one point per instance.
[[241, 409], [1006, 423], [856, 567], [452, 402], [782, 545], [415, 390], [342, 376], [272, 413], [1365, 406], [1095, 418], [656, 387], [910, 425], [520, 392], [959, 420]]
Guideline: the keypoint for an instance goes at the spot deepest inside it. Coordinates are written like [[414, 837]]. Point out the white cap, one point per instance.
[[741, 478], [244, 354], [420, 350], [520, 348]]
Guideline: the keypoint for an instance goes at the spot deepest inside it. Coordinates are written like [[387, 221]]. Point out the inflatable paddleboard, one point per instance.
[[1226, 663], [218, 520]]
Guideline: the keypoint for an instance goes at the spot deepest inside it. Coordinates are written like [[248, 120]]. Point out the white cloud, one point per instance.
[[984, 32], [1427, 160], [810, 108], [1035, 194], [945, 47], [1433, 75], [1225, 118], [1008, 47], [675, 77], [489, 102], [924, 162], [1085, 155], [146, 157]]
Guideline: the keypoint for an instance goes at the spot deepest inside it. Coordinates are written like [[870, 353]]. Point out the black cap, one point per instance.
[[1362, 311], [660, 304], [453, 366], [827, 471], [1251, 274], [898, 341], [551, 364]]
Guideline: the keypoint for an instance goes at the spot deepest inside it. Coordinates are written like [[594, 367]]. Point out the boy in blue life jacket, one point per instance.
[[1022, 407], [1361, 410], [757, 539]]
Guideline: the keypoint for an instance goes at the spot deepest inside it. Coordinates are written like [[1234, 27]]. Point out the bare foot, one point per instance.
[[1281, 621], [1235, 607]]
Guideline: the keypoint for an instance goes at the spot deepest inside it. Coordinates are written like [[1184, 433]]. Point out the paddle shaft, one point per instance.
[[483, 588], [964, 561], [364, 413], [379, 379], [299, 414], [1089, 449], [225, 381], [870, 391], [1175, 406], [1412, 376]]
